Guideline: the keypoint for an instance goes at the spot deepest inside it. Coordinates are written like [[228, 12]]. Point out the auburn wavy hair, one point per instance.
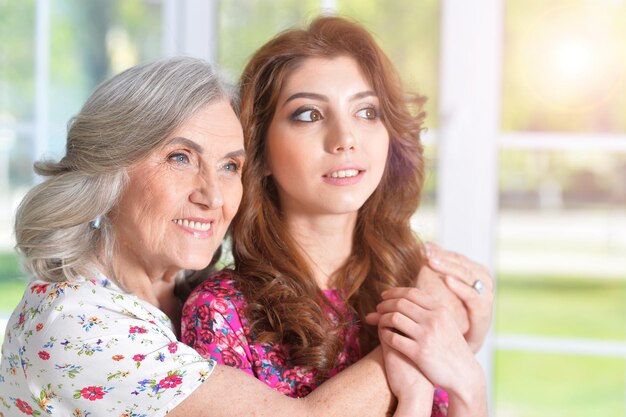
[[285, 305]]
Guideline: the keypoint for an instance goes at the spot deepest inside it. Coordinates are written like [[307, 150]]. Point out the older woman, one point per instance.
[[147, 188]]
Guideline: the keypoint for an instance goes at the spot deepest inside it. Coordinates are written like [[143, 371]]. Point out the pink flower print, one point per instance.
[[139, 357], [24, 407], [283, 387], [93, 393], [172, 347], [136, 329], [44, 355], [220, 305], [171, 381]]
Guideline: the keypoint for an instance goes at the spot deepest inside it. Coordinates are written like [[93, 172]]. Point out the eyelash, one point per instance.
[[173, 156], [235, 163], [295, 116], [373, 109]]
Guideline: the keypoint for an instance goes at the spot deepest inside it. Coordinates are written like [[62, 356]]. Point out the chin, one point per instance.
[[196, 263]]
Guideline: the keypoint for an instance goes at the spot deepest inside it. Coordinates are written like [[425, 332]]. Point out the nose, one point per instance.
[[208, 192], [340, 137]]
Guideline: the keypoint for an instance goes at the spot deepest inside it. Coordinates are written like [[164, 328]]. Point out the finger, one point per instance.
[[436, 252], [372, 319], [446, 267], [412, 294], [461, 289], [432, 249], [468, 272], [402, 306], [406, 346], [400, 323]]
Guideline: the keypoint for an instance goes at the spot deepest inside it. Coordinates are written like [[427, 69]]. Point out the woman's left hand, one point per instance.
[[461, 274]]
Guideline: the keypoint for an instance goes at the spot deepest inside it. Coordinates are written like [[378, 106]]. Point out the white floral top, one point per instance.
[[86, 348]]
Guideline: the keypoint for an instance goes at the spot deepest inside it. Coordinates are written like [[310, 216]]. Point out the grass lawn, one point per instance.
[[530, 384], [527, 384], [561, 307]]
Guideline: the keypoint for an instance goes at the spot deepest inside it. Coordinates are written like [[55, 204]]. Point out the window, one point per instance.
[[526, 146]]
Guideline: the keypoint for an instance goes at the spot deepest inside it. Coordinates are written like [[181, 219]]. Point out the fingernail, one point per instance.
[[435, 260]]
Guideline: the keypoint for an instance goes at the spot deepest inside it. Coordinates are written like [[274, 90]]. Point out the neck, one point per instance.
[[153, 286], [326, 242]]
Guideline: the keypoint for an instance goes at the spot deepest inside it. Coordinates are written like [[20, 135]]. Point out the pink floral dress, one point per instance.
[[214, 323]]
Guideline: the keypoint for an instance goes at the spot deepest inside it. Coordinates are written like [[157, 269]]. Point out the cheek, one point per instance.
[[232, 199]]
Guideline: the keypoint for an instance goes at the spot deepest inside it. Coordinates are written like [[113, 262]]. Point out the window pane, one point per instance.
[[89, 41], [561, 244], [17, 28], [541, 385], [246, 25], [564, 66], [115, 35], [408, 31]]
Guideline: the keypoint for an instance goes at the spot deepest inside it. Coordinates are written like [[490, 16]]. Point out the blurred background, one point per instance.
[[526, 147]]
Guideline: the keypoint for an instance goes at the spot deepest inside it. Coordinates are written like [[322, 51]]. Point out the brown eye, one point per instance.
[[307, 115], [369, 113]]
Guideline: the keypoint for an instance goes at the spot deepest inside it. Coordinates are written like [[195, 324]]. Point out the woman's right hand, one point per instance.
[[413, 323], [411, 388]]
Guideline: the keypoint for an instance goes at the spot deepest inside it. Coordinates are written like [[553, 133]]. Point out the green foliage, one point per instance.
[[246, 25], [408, 32]]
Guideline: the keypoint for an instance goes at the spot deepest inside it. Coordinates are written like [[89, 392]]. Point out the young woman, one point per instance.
[[334, 173]]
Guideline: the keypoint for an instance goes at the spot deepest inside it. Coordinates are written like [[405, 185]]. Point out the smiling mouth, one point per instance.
[[200, 226], [344, 173]]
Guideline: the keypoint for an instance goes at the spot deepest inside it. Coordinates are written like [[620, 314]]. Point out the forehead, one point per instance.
[[326, 74], [214, 126]]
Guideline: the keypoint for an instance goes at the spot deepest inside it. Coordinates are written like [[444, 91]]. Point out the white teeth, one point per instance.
[[345, 173], [193, 225]]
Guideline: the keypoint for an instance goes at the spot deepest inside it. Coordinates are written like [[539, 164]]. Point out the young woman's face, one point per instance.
[[180, 200], [326, 145]]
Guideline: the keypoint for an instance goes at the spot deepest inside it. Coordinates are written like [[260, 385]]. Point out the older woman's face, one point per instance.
[[179, 201]]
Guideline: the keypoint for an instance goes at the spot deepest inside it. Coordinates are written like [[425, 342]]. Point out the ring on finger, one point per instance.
[[478, 286]]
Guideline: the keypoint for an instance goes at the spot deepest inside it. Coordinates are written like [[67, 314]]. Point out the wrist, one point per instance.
[[470, 398], [414, 408], [416, 400]]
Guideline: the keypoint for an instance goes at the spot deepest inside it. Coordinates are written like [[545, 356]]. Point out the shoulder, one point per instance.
[[221, 288], [214, 308], [94, 343]]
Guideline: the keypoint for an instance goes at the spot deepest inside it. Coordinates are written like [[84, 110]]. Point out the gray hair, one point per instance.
[[123, 120]]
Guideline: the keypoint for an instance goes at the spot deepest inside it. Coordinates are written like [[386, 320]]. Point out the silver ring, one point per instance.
[[478, 286]]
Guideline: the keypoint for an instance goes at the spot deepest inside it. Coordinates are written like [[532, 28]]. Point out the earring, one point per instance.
[[95, 223]]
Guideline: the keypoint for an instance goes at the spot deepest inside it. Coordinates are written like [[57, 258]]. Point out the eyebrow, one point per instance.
[[320, 97], [179, 140], [236, 154]]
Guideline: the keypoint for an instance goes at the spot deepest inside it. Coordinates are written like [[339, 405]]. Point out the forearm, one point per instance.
[[360, 390]]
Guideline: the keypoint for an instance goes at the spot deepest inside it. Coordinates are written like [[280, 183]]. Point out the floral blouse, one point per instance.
[[86, 348], [215, 324]]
